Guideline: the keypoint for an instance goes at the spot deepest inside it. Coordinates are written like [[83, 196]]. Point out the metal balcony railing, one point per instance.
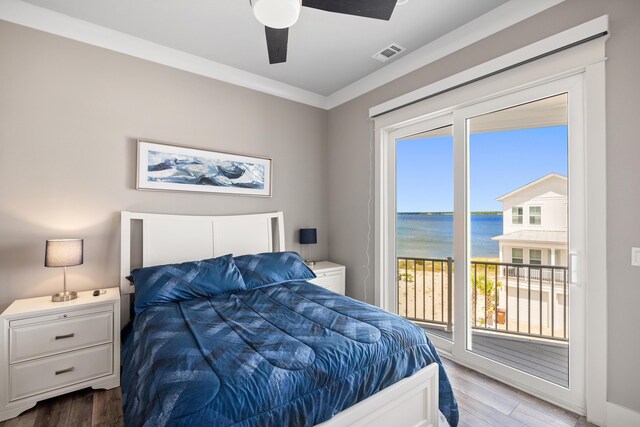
[[519, 299], [431, 300]]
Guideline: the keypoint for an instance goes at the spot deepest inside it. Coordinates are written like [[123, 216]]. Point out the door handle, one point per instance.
[[574, 264]]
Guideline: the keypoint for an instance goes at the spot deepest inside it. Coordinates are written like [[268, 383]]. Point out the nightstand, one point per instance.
[[330, 276], [51, 348]]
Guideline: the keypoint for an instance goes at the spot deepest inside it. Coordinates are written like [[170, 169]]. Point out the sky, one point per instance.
[[500, 162]]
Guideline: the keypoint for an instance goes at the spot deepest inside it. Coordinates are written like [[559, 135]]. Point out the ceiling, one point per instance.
[[327, 51]]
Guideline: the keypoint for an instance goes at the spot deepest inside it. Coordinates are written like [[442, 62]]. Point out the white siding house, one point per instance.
[[535, 233], [535, 223]]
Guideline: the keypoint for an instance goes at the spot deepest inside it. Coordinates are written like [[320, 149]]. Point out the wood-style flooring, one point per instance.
[[83, 408], [483, 402]]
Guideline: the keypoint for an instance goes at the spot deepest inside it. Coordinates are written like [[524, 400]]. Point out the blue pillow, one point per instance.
[[272, 268], [188, 280]]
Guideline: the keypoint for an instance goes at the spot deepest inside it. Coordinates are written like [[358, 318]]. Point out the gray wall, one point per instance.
[[70, 114], [349, 179]]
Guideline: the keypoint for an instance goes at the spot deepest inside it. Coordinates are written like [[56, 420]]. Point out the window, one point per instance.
[[579, 129], [535, 256], [517, 255], [559, 257], [535, 215], [516, 215]]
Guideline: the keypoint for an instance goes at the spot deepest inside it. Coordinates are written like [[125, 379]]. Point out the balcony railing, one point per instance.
[[520, 299], [432, 282]]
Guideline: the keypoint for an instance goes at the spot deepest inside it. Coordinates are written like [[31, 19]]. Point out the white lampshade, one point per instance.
[[63, 253], [277, 13]]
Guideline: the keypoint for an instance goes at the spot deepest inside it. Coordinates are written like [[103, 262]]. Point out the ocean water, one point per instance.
[[431, 236]]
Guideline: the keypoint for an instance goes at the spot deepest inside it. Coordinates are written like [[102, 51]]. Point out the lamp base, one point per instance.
[[309, 262], [64, 296]]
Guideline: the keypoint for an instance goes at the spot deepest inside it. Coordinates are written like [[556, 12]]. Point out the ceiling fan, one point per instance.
[[278, 15]]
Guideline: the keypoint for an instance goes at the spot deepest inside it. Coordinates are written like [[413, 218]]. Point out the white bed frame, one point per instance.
[[412, 402]]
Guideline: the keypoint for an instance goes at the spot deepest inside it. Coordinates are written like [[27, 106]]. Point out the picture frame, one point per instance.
[[167, 167]]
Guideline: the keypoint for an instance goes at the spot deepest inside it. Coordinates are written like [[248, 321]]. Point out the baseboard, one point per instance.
[[106, 385], [619, 416]]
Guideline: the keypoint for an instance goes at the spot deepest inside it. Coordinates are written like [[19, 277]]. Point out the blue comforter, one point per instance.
[[280, 355]]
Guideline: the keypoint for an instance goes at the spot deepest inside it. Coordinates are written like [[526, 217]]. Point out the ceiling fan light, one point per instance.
[[276, 13]]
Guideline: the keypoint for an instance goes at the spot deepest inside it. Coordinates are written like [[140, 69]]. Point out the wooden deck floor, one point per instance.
[[483, 402], [549, 361]]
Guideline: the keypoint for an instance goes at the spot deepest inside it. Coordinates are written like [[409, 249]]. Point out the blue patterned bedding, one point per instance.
[[293, 354]]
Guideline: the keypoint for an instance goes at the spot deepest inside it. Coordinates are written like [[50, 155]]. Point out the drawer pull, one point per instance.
[[61, 337], [64, 371]]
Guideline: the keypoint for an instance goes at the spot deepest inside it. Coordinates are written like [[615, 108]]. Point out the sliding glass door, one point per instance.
[[520, 208], [488, 233], [518, 201]]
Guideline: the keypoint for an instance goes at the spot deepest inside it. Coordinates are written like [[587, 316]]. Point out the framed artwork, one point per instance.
[[170, 167]]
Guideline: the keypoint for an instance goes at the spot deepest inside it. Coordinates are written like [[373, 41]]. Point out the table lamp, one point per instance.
[[308, 236], [63, 253]]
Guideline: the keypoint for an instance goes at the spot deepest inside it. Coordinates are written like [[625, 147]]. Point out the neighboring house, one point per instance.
[[535, 233], [535, 223]]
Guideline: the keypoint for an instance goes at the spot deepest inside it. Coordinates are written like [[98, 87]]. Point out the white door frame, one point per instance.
[[594, 271]]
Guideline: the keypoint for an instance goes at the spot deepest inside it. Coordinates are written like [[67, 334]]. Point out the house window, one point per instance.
[[517, 256], [535, 256], [516, 215], [535, 215]]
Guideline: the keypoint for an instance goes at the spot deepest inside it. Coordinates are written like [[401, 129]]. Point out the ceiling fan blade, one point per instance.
[[277, 40], [378, 9]]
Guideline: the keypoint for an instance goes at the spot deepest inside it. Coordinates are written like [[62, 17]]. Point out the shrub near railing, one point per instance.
[[487, 288]]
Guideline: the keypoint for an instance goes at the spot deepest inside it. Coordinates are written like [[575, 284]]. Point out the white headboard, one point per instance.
[[169, 239]]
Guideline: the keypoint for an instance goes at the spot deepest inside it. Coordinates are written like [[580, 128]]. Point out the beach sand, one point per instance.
[[424, 295]]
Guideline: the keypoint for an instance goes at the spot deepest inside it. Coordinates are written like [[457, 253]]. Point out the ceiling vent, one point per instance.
[[388, 52]]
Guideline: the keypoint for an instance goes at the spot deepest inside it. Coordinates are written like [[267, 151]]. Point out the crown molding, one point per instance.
[[490, 23], [39, 18], [46, 20]]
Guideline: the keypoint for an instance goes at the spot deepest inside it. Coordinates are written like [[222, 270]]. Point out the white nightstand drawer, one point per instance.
[[61, 315], [53, 372], [43, 339], [331, 281]]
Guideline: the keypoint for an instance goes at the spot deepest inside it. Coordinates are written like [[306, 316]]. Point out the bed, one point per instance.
[[268, 348]]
